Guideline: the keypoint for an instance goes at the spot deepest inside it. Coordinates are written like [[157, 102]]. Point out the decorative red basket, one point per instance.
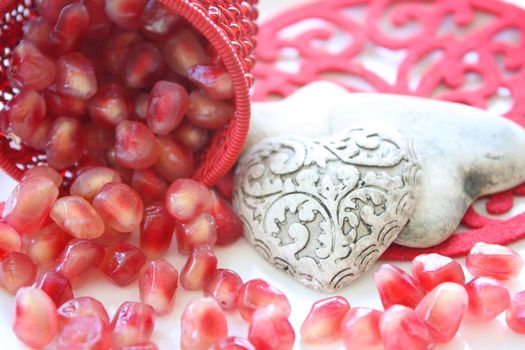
[[229, 26]]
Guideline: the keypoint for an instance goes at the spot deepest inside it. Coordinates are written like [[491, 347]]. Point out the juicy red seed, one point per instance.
[[228, 224], [232, 343], [79, 257], [36, 31], [86, 332], [35, 321], [122, 263], [200, 230], [360, 329], [395, 286], [29, 204], [64, 146], [117, 49], [157, 286], [120, 206], [56, 285], [125, 13], [184, 50], [50, 9], [44, 171], [199, 268], [214, 80], [516, 313], [61, 105], [80, 307], [76, 76], [141, 105], [270, 329], [99, 23], [45, 245], [109, 106], [133, 323], [30, 68], [433, 269], [402, 328], [141, 346], [144, 66], [487, 298], [10, 240], [224, 286], [256, 294], [207, 112], [39, 139], [72, 24], [175, 160], [492, 260], [16, 271], [150, 186], [25, 112], [203, 322], [135, 145], [323, 323], [187, 198], [443, 309], [158, 21], [91, 181], [168, 102], [112, 237], [156, 230], [77, 217], [191, 135]]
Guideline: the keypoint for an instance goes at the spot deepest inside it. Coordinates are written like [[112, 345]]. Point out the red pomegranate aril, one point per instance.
[[75, 76], [120, 207], [203, 322], [117, 49], [36, 31], [16, 271], [150, 186], [44, 171], [144, 66], [270, 329], [80, 256], [191, 135], [50, 9], [81, 307], [35, 321], [433, 269], [184, 50], [488, 298], [109, 106], [61, 105], [157, 286], [214, 80], [25, 112], [360, 329], [132, 324], [516, 313], [10, 240], [228, 224], [99, 23], [141, 346], [29, 204], [156, 230], [124, 172], [256, 294], [64, 146], [232, 343], [56, 285], [77, 217], [395, 286], [200, 230], [187, 198], [135, 145], [207, 112], [71, 26], [492, 260], [45, 245], [39, 139], [323, 322], [85, 333], [158, 21], [141, 106], [224, 286], [89, 182], [168, 102], [123, 263], [175, 160], [125, 13], [199, 268], [401, 328], [30, 69]]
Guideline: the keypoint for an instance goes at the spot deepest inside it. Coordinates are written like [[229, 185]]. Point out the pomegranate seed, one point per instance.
[[158, 21], [81, 307], [157, 286], [144, 65], [516, 313], [97, 141], [64, 147], [360, 329], [184, 50], [79, 257], [38, 140], [120, 206], [16, 271], [99, 24], [50, 9], [125, 173], [117, 49], [175, 160], [271, 330], [29, 204], [433, 269], [91, 181], [109, 106], [256, 294], [229, 225], [25, 113], [72, 24], [487, 298], [168, 102], [207, 112], [135, 145], [86, 332], [77, 217], [125, 13], [156, 231], [75, 76], [150, 186], [45, 245], [395, 286], [112, 237], [44, 171], [10, 240], [492, 260], [323, 323], [30, 68], [191, 136], [56, 285], [199, 268], [203, 322], [224, 286], [401, 328], [443, 309], [141, 105], [232, 343], [214, 80], [187, 198], [200, 230], [60, 105], [132, 324], [36, 31], [122, 263], [35, 317]]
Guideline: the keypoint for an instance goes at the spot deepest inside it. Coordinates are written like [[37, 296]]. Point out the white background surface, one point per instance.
[[243, 259]]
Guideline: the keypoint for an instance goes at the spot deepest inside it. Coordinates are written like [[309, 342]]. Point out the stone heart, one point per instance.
[[323, 210]]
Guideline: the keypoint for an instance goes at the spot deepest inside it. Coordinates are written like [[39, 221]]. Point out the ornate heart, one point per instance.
[[323, 210]]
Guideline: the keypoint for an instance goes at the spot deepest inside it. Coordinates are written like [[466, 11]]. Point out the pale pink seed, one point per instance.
[[39, 139], [395, 286], [270, 329], [141, 346], [158, 21], [77, 217], [109, 106], [71, 26], [232, 343], [156, 230], [133, 323], [85, 333], [56, 285], [10, 240], [117, 48], [214, 80], [30, 69], [141, 105], [135, 145], [89, 182], [64, 146], [76, 76], [36, 31], [35, 321], [175, 160], [25, 112], [157, 285], [122, 263], [16, 271], [203, 322], [199, 268], [50, 9], [184, 50], [44, 171], [401, 328], [323, 323], [61, 105], [191, 135], [197, 231], [45, 245], [516, 313], [360, 329], [125, 13], [168, 102], [487, 298], [492, 260], [224, 286], [187, 198], [79, 257], [99, 23], [80, 307], [256, 294], [208, 113], [228, 224], [149, 185]]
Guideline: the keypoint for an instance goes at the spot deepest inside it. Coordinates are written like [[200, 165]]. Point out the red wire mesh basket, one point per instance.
[[228, 25]]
